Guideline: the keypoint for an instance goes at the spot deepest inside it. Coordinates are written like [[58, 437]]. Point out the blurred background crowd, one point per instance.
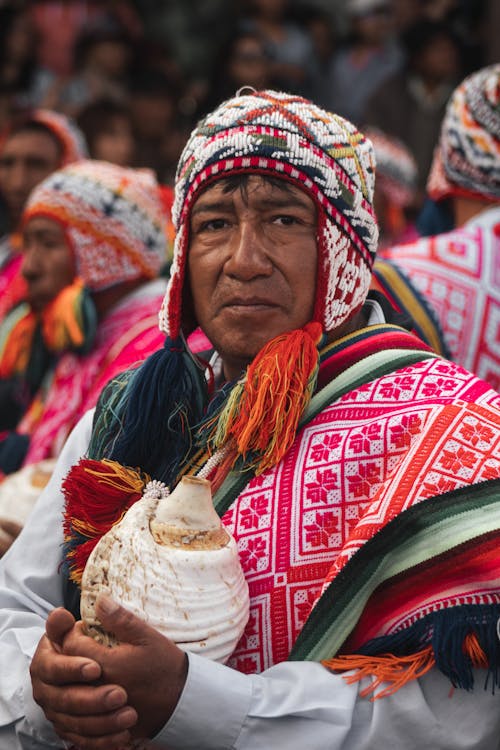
[[137, 74]]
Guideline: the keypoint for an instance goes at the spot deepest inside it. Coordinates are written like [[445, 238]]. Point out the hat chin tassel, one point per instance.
[[260, 418]]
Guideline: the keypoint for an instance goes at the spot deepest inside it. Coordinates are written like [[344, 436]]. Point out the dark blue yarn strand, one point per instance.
[[162, 400], [446, 630]]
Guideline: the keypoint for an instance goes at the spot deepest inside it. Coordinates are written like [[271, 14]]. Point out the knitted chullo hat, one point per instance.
[[396, 173], [467, 159], [284, 135], [113, 217]]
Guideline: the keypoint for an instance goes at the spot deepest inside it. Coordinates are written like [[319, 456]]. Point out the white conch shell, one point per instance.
[[171, 562], [20, 491]]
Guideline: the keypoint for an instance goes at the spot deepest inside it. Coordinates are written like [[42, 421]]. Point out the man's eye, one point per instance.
[[285, 220], [211, 225]]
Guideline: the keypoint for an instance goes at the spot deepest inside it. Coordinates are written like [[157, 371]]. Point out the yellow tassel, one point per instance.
[[120, 477], [388, 668]]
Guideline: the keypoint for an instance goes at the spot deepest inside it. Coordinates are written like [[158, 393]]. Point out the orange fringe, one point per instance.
[[472, 648], [60, 325], [17, 349], [278, 387], [395, 670]]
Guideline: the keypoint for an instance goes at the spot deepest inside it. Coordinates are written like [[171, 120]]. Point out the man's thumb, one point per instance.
[[127, 627]]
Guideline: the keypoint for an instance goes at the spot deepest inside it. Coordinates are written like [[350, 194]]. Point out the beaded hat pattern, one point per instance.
[[467, 158], [285, 135], [113, 217]]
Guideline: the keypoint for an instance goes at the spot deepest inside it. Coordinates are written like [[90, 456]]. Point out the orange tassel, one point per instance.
[[472, 648], [388, 668], [61, 328], [278, 386], [17, 344]]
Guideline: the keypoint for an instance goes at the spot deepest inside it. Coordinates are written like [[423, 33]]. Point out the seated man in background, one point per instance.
[[94, 240], [35, 144], [457, 271], [357, 470]]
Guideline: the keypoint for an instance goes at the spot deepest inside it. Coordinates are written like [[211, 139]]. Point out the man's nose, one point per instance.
[[249, 252], [30, 265], [18, 178]]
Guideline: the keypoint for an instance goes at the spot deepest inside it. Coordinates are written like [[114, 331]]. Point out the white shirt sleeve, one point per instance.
[[30, 587], [299, 705]]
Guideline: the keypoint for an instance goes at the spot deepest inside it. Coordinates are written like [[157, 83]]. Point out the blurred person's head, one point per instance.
[[406, 13], [34, 145], [17, 35], [107, 126], [466, 162], [396, 183], [274, 10], [242, 61], [433, 52], [153, 103], [247, 62], [103, 51], [371, 21], [94, 222], [321, 27]]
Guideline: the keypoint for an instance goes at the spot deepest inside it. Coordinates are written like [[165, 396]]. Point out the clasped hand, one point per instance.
[[99, 698]]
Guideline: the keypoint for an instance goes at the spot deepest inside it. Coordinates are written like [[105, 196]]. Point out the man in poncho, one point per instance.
[[458, 271], [358, 471]]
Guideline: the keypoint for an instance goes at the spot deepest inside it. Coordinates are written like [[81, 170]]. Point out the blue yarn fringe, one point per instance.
[[446, 630], [145, 417]]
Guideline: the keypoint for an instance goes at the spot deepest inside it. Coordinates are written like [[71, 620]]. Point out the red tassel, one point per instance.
[[97, 495]]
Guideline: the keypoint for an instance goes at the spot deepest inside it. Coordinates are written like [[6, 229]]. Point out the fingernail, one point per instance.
[[90, 671], [115, 698], [107, 605], [126, 718]]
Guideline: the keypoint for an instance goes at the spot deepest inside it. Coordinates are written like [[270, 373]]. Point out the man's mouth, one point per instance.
[[249, 303]]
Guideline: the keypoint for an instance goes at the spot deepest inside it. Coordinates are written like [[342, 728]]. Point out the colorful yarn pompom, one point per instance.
[[259, 420], [70, 320], [97, 494]]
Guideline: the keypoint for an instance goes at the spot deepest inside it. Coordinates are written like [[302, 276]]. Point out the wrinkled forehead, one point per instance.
[[249, 186]]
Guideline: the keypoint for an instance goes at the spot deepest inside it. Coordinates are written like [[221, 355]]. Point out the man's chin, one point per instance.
[[37, 302]]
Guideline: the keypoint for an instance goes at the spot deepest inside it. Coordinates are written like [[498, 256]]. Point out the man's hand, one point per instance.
[[9, 530], [150, 668], [85, 712]]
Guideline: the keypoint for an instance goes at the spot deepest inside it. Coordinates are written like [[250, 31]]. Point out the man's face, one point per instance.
[[48, 264], [252, 264], [25, 160]]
